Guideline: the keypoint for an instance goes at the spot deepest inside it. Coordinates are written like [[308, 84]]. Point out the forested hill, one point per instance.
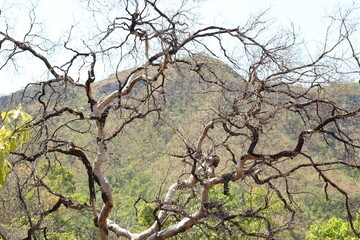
[[182, 81], [148, 155]]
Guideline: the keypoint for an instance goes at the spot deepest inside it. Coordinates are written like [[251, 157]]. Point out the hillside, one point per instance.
[[151, 144]]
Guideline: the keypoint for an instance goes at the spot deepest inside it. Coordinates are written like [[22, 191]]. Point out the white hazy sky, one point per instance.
[[308, 16]]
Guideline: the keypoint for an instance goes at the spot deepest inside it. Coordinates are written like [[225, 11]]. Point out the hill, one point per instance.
[[188, 99]]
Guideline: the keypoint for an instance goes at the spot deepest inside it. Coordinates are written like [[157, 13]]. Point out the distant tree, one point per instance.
[[234, 143], [334, 228]]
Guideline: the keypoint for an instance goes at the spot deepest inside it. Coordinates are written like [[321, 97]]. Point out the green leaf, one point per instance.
[[25, 117], [3, 168], [14, 133], [15, 113], [13, 144], [5, 117], [25, 137]]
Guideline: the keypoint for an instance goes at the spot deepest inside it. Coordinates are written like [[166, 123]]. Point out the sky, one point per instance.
[[308, 16]]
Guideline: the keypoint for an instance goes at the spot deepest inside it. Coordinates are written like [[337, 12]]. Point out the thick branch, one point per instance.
[[205, 132], [131, 83]]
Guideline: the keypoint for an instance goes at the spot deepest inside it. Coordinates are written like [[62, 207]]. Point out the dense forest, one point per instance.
[[184, 144]]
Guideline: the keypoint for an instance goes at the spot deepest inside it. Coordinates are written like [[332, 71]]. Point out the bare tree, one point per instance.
[[274, 78]]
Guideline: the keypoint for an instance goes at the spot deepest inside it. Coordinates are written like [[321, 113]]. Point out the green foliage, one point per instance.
[[63, 224], [60, 178], [334, 228], [64, 236], [13, 134], [319, 209], [134, 171], [145, 214], [241, 201], [273, 211], [128, 185]]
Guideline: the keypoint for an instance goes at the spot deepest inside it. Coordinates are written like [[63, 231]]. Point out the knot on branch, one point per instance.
[[208, 165]]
